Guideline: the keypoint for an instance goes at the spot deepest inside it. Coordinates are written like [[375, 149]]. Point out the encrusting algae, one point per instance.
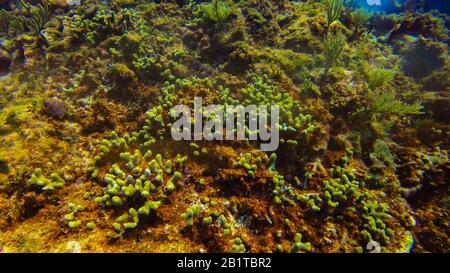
[[87, 157]]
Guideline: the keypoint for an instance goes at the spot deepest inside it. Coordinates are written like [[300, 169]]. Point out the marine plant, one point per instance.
[[333, 10], [377, 77], [5, 21], [359, 18], [334, 43], [217, 11], [36, 19], [382, 153], [386, 102]]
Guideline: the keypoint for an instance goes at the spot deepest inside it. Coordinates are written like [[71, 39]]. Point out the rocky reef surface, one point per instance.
[[87, 161]]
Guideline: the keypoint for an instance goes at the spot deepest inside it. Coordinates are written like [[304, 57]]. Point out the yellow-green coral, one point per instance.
[[46, 184]]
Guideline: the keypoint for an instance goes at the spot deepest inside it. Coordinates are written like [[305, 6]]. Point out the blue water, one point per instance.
[[393, 6]]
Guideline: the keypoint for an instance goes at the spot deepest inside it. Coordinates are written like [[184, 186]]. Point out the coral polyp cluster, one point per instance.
[[88, 119]]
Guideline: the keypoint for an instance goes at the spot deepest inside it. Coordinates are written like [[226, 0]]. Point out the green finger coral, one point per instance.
[[170, 186], [307, 138], [299, 245], [46, 184], [190, 213], [237, 246], [70, 217]]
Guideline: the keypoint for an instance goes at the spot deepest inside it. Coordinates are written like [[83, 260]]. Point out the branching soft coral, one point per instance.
[[333, 10], [359, 18], [217, 11], [5, 21], [334, 44], [378, 77], [385, 102], [37, 17]]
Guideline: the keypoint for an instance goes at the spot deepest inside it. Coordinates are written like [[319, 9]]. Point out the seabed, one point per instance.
[[88, 162]]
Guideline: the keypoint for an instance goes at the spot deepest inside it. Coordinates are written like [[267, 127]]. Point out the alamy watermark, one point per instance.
[[373, 247], [374, 2], [241, 123], [74, 2]]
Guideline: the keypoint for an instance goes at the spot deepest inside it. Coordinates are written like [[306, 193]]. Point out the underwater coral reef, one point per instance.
[[88, 161]]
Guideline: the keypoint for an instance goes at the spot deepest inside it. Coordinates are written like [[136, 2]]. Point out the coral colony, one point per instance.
[[248, 126], [217, 116]]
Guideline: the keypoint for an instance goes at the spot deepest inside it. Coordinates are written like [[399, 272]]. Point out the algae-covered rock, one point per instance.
[[422, 56], [352, 106], [56, 108]]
